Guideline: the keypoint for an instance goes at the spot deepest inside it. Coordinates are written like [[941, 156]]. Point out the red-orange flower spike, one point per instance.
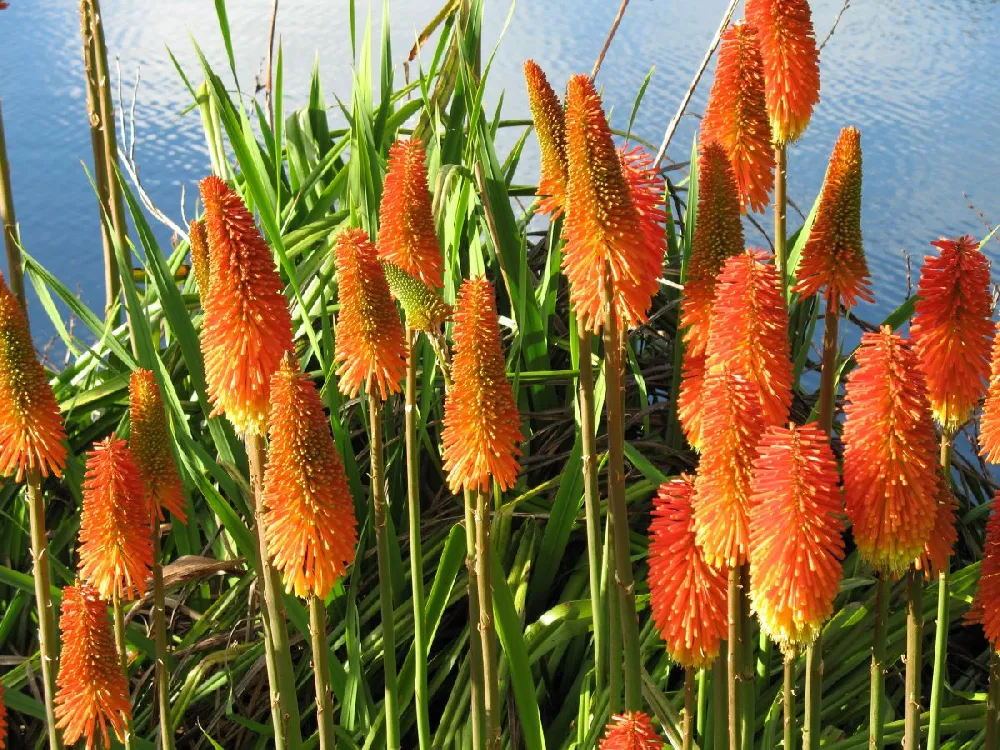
[[689, 401], [150, 444], [796, 545], [482, 426], [614, 222], [309, 523], [31, 427], [93, 692], [632, 730], [116, 551], [3, 720], [952, 329], [943, 536], [736, 117], [406, 234], [550, 128], [989, 422], [247, 327], [986, 603], [890, 467], [730, 432], [834, 255], [371, 345], [791, 63], [687, 595], [200, 260]]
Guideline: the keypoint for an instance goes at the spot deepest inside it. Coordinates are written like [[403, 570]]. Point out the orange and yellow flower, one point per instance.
[[425, 309], [482, 426], [989, 423], [93, 692], [796, 545], [890, 468], [200, 259], [736, 116], [150, 444], [406, 234], [943, 536], [31, 427], [247, 327], [687, 595], [371, 345], [952, 329], [791, 63], [986, 603], [689, 400], [632, 730], [550, 127], [614, 220], [116, 551], [309, 523]]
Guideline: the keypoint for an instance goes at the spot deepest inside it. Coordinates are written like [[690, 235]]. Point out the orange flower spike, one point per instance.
[[952, 329], [309, 523], [791, 63], [687, 595], [986, 603], [93, 692], [482, 426], [371, 345], [890, 467], [631, 731], [989, 422], [615, 219], [200, 260], [407, 236], [834, 255], [31, 427], [550, 128], [150, 445], [796, 547], [736, 116], [116, 551], [689, 400], [3, 720], [247, 324], [943, 536]]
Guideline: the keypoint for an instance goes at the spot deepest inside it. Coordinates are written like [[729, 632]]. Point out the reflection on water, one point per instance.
[[917, 78]]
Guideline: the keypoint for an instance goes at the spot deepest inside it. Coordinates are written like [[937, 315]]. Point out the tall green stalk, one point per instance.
[[720, 721], [943, 617], [487, 631], [788, 701], [735, 659], [876, 726], [780, 212], [688, 723], [612, 613], [993, 704], [160, 642], [118, 610], [321, 673], [914, 657], [477, 692], [747, 686]]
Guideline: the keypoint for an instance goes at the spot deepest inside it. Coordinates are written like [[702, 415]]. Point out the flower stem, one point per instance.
[[780, 212], [720, 671], [943, 618], [487, 631], [876, 728], [814, 694], [689, 692], [748, 696], [735, 658], [788, 700], [614, 621], [321, 674], [914, 657], [160, 642], [119, 619], [476, 685], [993, 704]]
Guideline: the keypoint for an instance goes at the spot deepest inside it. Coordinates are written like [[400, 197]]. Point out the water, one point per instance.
[[919, 79]]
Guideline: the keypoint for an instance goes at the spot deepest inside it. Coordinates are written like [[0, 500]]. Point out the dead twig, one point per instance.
[[607, 42]]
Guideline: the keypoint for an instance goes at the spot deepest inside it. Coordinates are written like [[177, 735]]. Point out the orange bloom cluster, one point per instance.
[[31, 427], [791, 63], [631, 731], [406, 234], [371, 345], [200, 260], [150, 443], [952, 329], [93, 691], [482, 426], [890, 473], [795, 534], [986, 604], [736, 116], [615, 217], [424, 307], [247, 325], [989, 423], [550, 127], [309, 523], [687, 595], [116, 551], [943, 536], [834, 256], [3, 721]]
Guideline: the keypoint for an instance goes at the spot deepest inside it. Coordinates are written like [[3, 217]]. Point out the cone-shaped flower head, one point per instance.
[[632, 730], [795, 534], [425, 309], [687, 595], [986, 604], [482, 427], [200, 259], [834, 257], [614, 221], [3, 720], [735, 116], [247, 326], [31, 427], [309, 523], [952, 329], [371, 345], [406, 234], [550, 127], [890, 467], [689, 401], [150, 445], [93, 692], [116, 551], [989, 423], [791, 63], [939, 546]]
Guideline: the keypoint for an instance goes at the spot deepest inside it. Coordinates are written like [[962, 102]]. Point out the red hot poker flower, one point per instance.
[[989, 423], [986, 604], [550, 127], [632, 730], [150, 444], [690, 399], [943, 536]]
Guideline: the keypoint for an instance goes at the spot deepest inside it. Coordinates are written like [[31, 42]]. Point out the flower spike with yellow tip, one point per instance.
[[200, 259], [425, 309], [31, 427], [550, 128], [247, 327], [631, 731], [93, 691], [482, 427], [150, 445]]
